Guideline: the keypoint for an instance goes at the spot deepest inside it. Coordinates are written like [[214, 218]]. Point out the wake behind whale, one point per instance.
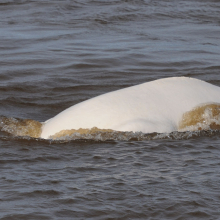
[[161, 106]]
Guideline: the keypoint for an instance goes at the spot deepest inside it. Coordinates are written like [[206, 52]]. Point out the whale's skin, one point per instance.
[[155, 106]]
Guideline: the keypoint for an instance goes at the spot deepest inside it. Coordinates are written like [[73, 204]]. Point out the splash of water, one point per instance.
[[21, 127], [204, 117], [193, 123]]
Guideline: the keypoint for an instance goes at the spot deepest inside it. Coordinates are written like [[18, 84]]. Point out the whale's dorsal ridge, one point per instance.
[[155, 106]]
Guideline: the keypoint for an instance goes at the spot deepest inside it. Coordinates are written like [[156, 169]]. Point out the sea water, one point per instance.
[[55, 54]]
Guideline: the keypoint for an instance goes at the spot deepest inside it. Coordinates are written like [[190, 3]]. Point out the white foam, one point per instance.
[[155, 106]]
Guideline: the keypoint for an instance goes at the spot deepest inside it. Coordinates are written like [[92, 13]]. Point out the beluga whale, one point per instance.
[[162, 106]]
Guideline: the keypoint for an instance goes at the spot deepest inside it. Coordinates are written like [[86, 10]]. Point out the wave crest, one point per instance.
[[203, 117], [21, 127], [203, 120]]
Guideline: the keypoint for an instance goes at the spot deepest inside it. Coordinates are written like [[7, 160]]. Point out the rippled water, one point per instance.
[[58, 53]]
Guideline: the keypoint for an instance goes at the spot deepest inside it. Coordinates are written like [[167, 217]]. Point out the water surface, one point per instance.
[[58, 53]]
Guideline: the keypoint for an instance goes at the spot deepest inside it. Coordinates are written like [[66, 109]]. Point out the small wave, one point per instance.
[[203, 120], [203, 117], [103, 136], [21, 127], [137, 136]]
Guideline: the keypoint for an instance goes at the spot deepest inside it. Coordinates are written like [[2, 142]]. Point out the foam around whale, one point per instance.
[[157, 106]]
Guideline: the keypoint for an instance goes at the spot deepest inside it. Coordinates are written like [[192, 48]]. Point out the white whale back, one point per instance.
[[155, 106]]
